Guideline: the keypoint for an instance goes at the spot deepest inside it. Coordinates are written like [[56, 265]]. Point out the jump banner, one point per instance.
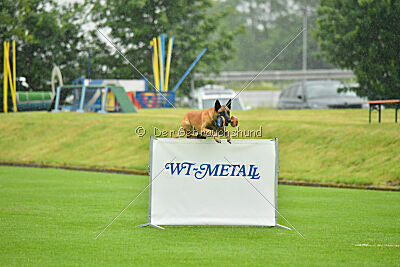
[[201, 182]]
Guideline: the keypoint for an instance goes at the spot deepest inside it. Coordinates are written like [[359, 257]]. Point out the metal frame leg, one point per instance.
[[151, 225], [379, 109], [56, 105], [82, 100], [284, 227], [103, 102], [370, 109]]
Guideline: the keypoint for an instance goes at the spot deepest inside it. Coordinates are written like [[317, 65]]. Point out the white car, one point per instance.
[[205, 97]]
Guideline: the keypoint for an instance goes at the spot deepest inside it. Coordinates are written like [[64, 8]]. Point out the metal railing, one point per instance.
[[280, 75]]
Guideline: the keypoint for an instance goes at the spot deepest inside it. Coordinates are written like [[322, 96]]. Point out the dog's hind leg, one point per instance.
[[187, 129], [181, 132], [199, 136]]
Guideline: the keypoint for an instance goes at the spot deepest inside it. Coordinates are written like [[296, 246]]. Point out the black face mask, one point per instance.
[[226, 115]]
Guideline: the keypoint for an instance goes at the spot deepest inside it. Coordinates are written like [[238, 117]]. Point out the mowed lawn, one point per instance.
[[332, 146], [51, 217]]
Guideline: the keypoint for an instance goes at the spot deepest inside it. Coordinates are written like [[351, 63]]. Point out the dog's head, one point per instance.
[[223, 111]]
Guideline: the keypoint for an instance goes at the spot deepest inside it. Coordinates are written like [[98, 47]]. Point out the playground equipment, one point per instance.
[[9, 76], [56, 73], [81, 98], [93, 97], [112, 95], [162, 97], [22, 100], [34, 101]]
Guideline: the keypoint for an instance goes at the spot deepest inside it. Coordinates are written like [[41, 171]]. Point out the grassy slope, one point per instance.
[[315, 145], [50, 217]]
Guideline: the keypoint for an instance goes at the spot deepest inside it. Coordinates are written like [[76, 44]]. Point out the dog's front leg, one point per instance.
[[227, 134], [208, 132]]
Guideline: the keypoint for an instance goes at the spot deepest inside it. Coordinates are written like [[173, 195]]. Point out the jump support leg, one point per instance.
[[151, 225]]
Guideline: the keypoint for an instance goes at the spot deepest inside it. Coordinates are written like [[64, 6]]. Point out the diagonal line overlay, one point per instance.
[[258, 191], [133, 200], [263, 69], [119, 52]]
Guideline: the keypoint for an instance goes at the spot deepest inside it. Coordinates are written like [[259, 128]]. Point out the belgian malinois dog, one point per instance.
[[203, 123]]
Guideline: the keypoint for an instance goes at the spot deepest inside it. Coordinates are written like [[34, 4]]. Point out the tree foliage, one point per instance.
[[363, 36], [132, 24], [270, 25], [49, 33], [45, 34]]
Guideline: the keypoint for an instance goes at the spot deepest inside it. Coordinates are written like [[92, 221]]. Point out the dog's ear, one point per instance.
[[217, 105], [229, 104]]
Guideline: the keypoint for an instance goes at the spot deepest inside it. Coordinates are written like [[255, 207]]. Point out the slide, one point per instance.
[[123, 100]]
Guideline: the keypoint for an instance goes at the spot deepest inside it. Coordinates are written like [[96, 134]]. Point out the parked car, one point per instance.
[[320, 95], [204, 97]]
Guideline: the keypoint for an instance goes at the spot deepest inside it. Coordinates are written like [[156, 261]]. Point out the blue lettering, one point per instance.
[[207, 169], [252, 172], [224, 168], [188, 165], [178, 168], [242, 171], [234, 168]]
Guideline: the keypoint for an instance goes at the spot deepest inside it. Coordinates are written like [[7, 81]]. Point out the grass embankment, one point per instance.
[[314, 145], [51, 217]]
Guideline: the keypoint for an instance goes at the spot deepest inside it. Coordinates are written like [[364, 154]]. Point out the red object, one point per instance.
[[134, 100], [384, 101], [234, 121], [374, 103]]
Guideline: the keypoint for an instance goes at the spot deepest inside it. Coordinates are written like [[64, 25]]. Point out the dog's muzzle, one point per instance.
[[234, 121]]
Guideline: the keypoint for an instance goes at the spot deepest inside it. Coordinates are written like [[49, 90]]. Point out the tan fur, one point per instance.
[[204, 123]]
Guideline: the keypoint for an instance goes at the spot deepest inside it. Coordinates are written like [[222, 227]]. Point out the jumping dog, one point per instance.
[[209, 122]]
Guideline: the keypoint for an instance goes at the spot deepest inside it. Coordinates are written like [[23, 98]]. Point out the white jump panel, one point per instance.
[[201, 182]]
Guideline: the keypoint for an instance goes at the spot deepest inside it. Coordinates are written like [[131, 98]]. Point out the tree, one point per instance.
[[132, 24], [270, 24], [363, 36], [45, 34]]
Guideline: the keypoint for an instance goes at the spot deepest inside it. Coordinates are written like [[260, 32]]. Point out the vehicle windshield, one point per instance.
[[321, 90], [208, 103]]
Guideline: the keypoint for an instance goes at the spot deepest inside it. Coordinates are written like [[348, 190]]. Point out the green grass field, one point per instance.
[[51, 217], [337, 146]]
